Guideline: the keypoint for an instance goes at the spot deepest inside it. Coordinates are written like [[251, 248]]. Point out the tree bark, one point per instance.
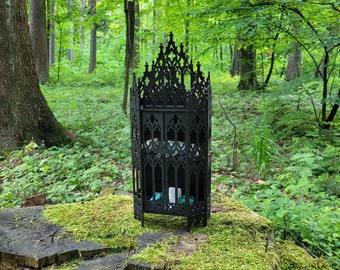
[[82, 19], [235, 62], [24, 114], [333, 111], [70, 51], [293, 70], [129, 47], [248, 78], [294, 65], [39, 41], [93, 39], [137, 45], [51, 36]]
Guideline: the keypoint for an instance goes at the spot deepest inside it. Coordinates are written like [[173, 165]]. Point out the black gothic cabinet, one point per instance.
[[170, 114]]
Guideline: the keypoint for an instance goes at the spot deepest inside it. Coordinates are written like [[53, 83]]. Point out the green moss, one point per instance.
[[107, 220], [235, 238], [160, 255], [294, 257]]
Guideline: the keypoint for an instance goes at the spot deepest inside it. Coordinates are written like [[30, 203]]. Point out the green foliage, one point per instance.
[[64, 174], [302, 203], [313, 225], [100, 159], [263, 151], [288, 168]]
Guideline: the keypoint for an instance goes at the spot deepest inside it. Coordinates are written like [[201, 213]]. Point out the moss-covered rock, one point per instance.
[[294, 257], [107, 220], [235, 238]]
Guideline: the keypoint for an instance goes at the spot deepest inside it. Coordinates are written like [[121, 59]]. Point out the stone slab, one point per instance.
[[28, 239], [116, 261]]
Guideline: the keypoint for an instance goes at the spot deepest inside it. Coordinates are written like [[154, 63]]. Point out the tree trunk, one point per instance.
[[82, 19], [137, 45], [294, 65], [70, 51], [235, 62], [248, 78], [293, 70], [129, 47], [51, 39], [24, 114], [333, 112], [325, 88], [39, 41], [221, 58], [93, 39]]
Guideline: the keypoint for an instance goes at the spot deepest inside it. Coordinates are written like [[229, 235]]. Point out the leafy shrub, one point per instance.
[[77, 172], [65, 174], [288, 167]]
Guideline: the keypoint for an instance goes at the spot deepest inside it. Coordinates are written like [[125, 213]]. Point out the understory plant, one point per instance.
[[288, 167]]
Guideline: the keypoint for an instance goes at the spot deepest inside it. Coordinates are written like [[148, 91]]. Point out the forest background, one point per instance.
[[275, 77]]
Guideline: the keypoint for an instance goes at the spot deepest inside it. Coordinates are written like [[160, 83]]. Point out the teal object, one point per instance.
[[157, 196], [182, 199]]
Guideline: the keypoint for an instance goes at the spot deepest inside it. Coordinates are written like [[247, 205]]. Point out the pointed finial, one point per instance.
[[181, 46], [198, 67], [171, 36]]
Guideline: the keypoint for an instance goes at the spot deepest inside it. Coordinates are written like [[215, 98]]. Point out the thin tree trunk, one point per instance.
[[39, 41], [272, 61], [82, 27], [333, 112], [137, 42], [325, 88], [93, 39], [221, 58], [51, 40], [70, 51], [129, 47]]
